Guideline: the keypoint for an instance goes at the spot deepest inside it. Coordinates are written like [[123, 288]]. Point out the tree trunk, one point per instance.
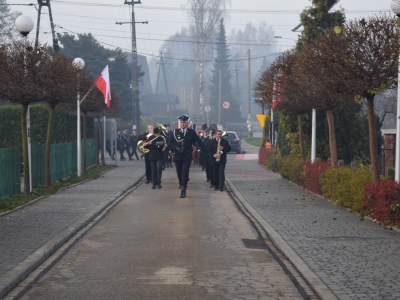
[[103, 163], [332, 138], [47, 166], [84, 144], [201, 88], [25, 148], [301, 138], [372, 139]]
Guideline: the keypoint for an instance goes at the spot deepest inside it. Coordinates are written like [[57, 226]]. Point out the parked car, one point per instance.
[[234, 141]]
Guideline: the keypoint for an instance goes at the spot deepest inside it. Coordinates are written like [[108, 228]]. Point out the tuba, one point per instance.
[[141, 144]]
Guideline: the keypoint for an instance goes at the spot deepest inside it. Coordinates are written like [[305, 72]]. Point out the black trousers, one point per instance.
[[134, 152], [156, 171], [218, 175], [182, 170], [147, 164], [209, 169]]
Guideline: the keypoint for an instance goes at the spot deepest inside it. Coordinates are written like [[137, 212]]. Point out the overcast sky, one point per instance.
[[166, 17]]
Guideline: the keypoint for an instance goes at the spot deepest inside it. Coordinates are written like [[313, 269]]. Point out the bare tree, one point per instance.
[[205, 16], [364, 59], [27, 76]]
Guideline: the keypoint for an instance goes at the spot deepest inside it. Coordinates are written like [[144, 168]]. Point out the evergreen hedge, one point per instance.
[[64, 126]]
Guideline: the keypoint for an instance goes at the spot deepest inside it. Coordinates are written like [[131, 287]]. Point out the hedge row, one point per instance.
[[64, 126], [351, 188]]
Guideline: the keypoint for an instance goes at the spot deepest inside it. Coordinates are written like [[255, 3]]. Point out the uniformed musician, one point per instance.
[[218, 148], [156, 146], [147, 162], [182, 141]]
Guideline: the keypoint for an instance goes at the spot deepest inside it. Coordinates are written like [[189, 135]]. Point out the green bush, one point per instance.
[[289, 167], [64, 126], [345, 186], [273, 164]]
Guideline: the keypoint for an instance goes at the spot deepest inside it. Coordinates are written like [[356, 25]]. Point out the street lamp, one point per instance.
[[395, 5], [24, 24], [279, 37], [79, 64]]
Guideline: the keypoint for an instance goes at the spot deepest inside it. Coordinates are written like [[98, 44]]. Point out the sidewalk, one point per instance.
[[33, 232], [355, 259]]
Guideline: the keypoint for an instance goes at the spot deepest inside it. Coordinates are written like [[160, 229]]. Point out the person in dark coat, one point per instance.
[[133, 140], [119, 145], [219, 166], [182, 141], [208, 160], [156, 145], [167, 160], [125, 144], [147, 163]]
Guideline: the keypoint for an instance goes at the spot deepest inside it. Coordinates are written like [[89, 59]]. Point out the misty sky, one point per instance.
[[166, 17]]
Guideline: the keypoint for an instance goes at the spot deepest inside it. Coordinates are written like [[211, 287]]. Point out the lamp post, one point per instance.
[[24, 24], [79, 64], [395, 5]]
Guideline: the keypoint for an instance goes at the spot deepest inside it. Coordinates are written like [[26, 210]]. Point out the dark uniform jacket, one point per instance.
[[156, 148], [182, 144], [212, 148], [133, 140]]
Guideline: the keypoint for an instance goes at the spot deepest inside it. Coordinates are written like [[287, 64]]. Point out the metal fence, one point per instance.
[[63, 159], [10, 180]]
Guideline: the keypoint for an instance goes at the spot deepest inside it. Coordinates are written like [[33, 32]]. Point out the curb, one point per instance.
[[15, 276], [319, 287]]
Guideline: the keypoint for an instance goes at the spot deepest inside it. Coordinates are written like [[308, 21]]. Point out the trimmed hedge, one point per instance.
[[289, 167], [382, 202], [345, 186], [64, 126], [310, 175]]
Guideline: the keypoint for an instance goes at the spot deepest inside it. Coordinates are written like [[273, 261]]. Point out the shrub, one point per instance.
[[345, 186], [310, 174], [382, 202], [289, 167], [272, 164]]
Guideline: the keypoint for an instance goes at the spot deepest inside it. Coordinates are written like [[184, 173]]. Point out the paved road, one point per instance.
[[331, 246], [155, 245]]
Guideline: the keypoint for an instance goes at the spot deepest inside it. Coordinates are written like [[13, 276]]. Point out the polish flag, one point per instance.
[[103, 84]]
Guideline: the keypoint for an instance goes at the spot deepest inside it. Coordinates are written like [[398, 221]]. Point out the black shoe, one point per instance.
[[131, 159], [180, 187], [123, 159], [221, 189], [202, 169], [183, 193], [153, 187], [207, 180], [159, 186], [215, 189], [211, 186], [147, 182]]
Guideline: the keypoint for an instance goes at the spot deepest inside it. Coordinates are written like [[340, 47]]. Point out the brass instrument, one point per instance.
[[219, 152], [141, 144]]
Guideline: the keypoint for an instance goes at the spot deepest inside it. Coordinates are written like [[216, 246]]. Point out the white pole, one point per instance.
[[272, 128], [314, 136], [104, 136], [28, 130], [78, 132], [397, 159]]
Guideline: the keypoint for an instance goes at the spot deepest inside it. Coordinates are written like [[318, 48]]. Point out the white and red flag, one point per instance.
[[103, 84]]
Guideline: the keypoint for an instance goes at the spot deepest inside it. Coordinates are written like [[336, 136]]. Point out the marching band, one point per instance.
[[161, 146]]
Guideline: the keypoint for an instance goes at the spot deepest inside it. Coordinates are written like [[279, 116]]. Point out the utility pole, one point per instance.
[[166, 87], [55, 41], [219, 98], [249, 121], [135, 84]]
